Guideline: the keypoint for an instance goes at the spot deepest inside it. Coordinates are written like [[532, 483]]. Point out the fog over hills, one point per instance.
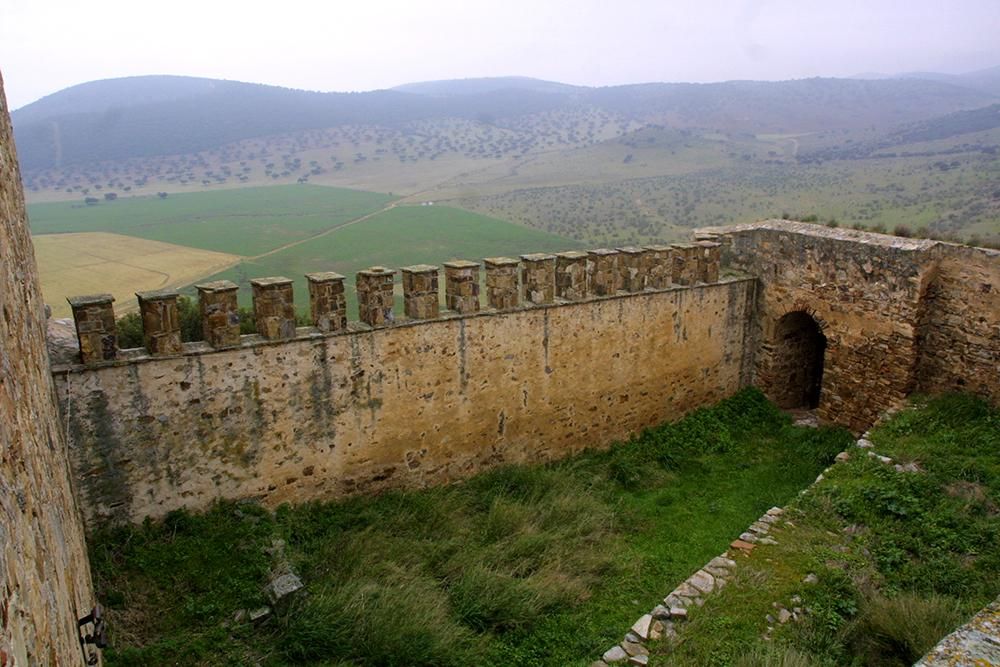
[[146, 116]]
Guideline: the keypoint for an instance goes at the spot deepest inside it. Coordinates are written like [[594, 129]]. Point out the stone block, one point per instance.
[[220, 313], [538, 277], [571, 275], [161, 325], [709, 259], [274, 307], [461, 286], [375, 296], [327, 301], [502, 290], [632, 268], [94, 316], [659, 266], [602, 269], [685, 265], [420, 291]]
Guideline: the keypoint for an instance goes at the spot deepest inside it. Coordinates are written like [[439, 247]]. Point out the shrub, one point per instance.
[[771, 655], [878, 229], [902, 230], [901, 629], [130, 325]]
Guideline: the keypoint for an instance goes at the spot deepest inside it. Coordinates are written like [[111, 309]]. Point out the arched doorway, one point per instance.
[[797, 356]]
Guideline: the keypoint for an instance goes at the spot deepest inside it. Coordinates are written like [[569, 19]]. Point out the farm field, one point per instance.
[[96, 262], [247, 221], [397, 237]]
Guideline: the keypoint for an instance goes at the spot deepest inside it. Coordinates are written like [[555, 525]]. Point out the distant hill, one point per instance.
[[118, 119], [984, 80], [453, 87]]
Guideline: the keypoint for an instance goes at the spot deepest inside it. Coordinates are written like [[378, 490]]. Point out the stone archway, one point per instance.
[[797, 355]]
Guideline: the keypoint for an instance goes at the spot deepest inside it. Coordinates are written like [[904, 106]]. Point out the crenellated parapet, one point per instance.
[[533, 280]]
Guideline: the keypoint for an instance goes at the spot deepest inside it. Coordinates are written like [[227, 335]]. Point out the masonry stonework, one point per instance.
[[44, 575], [404, 405], [896, 314], [161, 323], [502, 291], [274, 307], [327, 301]]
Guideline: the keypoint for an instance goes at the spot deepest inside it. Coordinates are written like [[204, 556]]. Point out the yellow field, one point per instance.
[[97, 262]]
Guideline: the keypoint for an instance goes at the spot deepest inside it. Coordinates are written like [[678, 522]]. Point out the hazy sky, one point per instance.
[[46, 45]]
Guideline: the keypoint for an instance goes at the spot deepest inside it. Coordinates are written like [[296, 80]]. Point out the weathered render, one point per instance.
[[403, 405], [44, 573]]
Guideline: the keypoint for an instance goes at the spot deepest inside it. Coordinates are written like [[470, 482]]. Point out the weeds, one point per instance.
[[522, 565]]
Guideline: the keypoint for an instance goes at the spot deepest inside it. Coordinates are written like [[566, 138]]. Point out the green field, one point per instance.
[[246, 221], [397, 237]]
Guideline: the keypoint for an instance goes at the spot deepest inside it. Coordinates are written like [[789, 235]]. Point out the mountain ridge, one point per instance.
[[115, 119]]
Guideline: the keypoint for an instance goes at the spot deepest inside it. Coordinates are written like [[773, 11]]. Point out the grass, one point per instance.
[[902, 558], [246, 221], [94, 262], [527, 565], [400, 236]]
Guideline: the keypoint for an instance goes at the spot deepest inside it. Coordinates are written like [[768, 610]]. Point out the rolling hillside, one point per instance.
[[149, 116]]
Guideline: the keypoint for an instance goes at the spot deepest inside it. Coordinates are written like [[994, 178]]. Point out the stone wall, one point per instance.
[[898, 314], [407, 404], [960, 332], [44, 574]]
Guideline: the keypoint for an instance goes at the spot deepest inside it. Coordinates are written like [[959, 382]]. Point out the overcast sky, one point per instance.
[[46, 45]]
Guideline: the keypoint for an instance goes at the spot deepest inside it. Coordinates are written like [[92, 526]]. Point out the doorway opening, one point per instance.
[[798, 361]]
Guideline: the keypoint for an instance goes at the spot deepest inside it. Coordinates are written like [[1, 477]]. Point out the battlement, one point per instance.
[[545, 280]]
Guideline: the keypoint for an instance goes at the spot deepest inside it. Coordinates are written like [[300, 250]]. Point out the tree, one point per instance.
[[161, 195], [110, 196], [91, 201]]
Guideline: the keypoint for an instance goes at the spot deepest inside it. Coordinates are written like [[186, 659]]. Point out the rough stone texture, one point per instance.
[[685, 269], [161, 324], [538, 278], [462, 286], [96, 332], [220, 313], [959, 332], [44, 574], [632, 267], [420, 292], [660, 266], [709, 256], [976, 643], [274, 307], [602, 268], [406, 406], [502, 291], [375, 296], [571, 275], [327, 302], [864, 293]]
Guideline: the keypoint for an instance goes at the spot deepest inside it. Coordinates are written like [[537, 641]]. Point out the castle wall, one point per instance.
[[402, 406], [44, 573], [864, 290], [960, 341]]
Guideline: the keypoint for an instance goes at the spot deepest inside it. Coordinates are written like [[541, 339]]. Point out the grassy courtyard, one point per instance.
[[535, 565]]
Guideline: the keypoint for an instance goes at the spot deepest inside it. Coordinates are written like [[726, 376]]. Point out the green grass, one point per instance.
[[398, 237], [528, 565], [902, 558], [247, 221]]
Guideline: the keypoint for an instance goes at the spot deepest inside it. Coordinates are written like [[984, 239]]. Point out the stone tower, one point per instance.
[[44, 574]]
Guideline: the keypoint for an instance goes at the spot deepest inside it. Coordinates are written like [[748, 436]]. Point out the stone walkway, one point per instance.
[[976, 644]]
